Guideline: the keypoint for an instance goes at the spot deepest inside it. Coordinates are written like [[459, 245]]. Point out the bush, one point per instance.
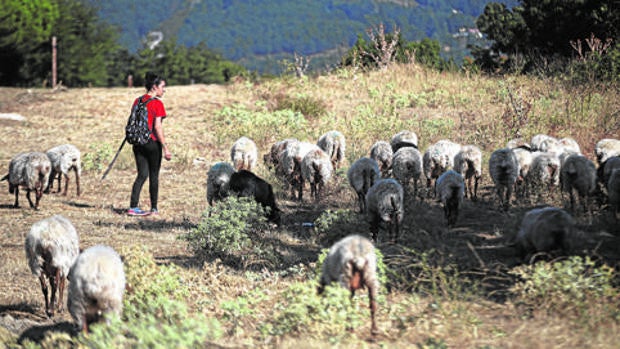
[[574, 287]]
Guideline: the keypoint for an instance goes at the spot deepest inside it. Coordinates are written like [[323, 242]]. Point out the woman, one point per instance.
[[148, 156]]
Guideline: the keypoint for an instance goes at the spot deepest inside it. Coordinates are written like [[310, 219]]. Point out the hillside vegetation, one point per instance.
[[458, 287]]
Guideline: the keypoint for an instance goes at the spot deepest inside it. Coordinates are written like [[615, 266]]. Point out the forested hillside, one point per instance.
[[258, 34]]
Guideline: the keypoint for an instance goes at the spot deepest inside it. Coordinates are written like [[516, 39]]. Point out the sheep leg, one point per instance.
[[372, 295], [30, 200], [16, 204], [45, 293], [54, 276], [77, 181], [58, 176], [361, 200], [50, 182], [61, 292], [64, 193], [374, 229], [476, 189]]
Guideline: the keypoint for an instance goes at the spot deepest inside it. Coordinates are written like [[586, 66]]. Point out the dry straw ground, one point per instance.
[[366, 107]]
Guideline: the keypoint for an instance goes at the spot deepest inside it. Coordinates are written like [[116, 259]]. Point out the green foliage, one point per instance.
[[233, 226], [261, 125], [302, 103], [98, 156], [303, 312], [25, 24], [574, 287], [333, 225]]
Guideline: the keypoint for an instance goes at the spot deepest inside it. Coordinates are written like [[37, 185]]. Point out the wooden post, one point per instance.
[[53, 62]]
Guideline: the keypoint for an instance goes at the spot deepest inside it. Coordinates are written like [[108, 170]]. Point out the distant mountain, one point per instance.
[[259, 34]]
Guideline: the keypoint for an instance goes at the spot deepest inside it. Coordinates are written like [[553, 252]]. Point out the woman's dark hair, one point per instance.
[[151, 79]]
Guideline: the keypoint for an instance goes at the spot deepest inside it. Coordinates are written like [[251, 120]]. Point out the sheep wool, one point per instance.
[[450, 189], [578, 174], [439, 158], [504, 170], [468, 162], [606, 148], [244, 154], [52, 245], [218, 178], [402, 139], [97, 286], [407, 167], [333, 143], [30, 171], [362, 175], [382, 153], [316, 169], [384, 204], [352, 263], [65, 158], [545, 230]]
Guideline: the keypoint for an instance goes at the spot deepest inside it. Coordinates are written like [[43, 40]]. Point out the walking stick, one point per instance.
[[113, 160]]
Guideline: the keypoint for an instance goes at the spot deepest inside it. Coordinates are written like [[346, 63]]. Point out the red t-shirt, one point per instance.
[[156, 110]]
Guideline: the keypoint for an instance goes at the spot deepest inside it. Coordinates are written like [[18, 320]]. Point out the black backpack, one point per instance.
[[137, 129]]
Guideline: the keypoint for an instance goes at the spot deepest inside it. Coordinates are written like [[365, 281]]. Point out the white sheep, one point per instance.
[[52, 245], [273, 158], [504, 170], [570, 145], [517, 143], [449, 190], [244, 154], [64, 158], [384, 203], [362, 175], [544, 172], [404, 139], [606, 148], [316, 169], [541, 142], [546, 230], [468, 162], [333, 143], [291, 160], [578, 174], [31, 171], [352, 263], [218, 178], [97, 285], [607, 168], [439, 158], [524, 158], [382, 153], [407, 167]]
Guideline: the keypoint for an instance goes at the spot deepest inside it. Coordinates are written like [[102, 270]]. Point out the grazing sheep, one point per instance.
[[65, 158], [544, 171], [218, 178], [244, 154], [570, 145], [605, 170], [291, 160], [30, 171], [504, 170], [541, 142], [316, 169], [246, 184], [97, 286], [606, 148], [439, 158], [352, 263], [334, 145], [384, 203], [274, 157], [518, 143], [468, 162], [362, 175], [450, 189], [578, 173], [545, 230], [382, 153], [404, 139], [407, 167], [613, 190], [52, 245], [524, 158]]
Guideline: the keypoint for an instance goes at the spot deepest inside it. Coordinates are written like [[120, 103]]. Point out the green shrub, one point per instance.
[[308, 106], [576, 286], [97, 157]]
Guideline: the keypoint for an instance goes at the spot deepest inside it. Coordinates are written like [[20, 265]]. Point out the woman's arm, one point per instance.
[[159, 132]]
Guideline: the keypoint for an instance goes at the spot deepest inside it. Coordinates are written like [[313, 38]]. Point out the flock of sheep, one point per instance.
[[381, 181]]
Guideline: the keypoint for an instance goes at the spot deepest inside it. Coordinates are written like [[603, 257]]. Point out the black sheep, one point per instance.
[[246, 184]]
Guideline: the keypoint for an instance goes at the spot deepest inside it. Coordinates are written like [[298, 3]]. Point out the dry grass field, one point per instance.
[[449, 287]]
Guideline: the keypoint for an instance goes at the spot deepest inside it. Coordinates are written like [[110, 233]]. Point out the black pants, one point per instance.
[[148, 163]]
